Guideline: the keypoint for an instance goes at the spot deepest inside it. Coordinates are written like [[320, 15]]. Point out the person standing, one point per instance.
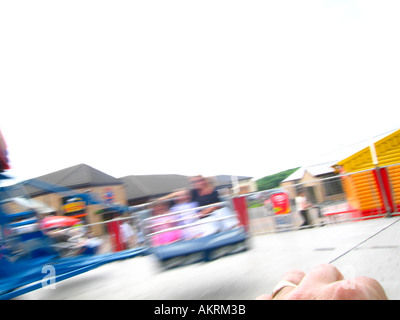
[[302, 206]]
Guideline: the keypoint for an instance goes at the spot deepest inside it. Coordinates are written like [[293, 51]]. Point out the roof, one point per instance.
[[321, 169], [78, 176], [137, 186], [315, 170], [387, 148], [327, 161], [347, 151], [225, 181], [144, 186], [297, 175]]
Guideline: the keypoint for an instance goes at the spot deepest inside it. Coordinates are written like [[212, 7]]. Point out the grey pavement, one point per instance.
[[248, 274]]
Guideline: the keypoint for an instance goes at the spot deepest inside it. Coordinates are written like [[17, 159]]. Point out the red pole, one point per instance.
[[240, 205], [388, 189], [115, 235], [382, 182]]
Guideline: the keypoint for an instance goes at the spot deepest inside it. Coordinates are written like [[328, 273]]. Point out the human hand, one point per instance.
[[207, 211], [325, 282]]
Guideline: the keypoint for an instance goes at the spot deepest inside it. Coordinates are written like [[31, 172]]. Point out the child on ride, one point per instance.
[[163, 222], [183, 205]]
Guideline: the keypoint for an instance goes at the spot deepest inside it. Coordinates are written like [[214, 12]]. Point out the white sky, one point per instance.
[[194, 87]]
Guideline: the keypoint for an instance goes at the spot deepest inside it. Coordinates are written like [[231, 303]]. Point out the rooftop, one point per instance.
[[315, 170], [78, 176]]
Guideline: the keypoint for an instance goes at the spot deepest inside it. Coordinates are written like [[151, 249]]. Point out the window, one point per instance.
[[332, 186]]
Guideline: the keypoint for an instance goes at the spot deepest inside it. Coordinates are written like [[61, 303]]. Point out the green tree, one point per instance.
[[272, 181]]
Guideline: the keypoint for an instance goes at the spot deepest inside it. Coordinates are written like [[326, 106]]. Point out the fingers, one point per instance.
[[322, 274], [373, 288], [319, 276], [294, 276], [326, 282], [360, 288]]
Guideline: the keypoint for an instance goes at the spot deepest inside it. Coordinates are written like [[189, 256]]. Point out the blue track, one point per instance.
[[22, 277]]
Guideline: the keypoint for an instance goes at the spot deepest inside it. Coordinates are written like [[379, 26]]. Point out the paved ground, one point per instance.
[[248, 274]]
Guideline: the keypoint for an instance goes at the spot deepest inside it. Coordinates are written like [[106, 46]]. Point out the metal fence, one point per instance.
[[338, 198], [361, 195]]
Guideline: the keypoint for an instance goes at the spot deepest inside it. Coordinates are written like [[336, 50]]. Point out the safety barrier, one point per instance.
[[188, 224], [128, 232], [194, 234], [355, 196]]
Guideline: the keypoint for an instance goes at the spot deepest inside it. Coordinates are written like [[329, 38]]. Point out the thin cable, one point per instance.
[[343, 254]]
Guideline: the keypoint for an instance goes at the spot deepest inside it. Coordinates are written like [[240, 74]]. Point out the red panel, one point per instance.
[[386, 186], [240, 206], [115, 235]]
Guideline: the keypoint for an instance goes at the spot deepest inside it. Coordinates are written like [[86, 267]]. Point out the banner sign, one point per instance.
[[280, 203], [73, 205]]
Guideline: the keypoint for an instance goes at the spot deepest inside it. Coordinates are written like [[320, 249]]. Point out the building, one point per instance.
[[143, 188], [319, 182], [81, 179], [235, 184], [54, 190], [372, 180]]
